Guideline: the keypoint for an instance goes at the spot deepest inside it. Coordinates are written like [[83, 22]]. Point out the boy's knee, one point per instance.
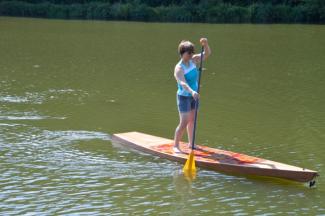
[[183, 125]]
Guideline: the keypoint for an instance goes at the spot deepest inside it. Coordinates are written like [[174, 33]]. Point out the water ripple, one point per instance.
[[78, 171], [40, 97]]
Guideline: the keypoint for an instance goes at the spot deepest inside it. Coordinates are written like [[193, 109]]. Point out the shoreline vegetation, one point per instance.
[[203, 11]]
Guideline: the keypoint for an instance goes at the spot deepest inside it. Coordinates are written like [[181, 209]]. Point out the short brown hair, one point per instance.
[[185, 46]]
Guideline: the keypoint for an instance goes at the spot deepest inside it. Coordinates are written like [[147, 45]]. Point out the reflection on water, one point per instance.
[[184, 193]]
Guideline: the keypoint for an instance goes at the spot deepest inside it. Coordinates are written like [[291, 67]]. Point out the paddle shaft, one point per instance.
[[197, 101]]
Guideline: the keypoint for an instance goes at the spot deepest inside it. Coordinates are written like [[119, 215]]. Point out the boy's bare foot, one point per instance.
[[190, 146], [176, 150]]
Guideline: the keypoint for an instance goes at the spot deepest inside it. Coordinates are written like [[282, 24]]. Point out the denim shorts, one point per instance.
[[185, 103]]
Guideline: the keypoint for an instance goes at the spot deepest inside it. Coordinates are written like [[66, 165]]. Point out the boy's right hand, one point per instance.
[[195, 95]]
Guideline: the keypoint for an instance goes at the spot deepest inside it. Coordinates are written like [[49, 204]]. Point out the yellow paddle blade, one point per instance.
[[190, 175], [189, 166]]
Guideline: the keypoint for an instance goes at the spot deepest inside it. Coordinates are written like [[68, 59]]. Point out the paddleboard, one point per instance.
[[215, 159]]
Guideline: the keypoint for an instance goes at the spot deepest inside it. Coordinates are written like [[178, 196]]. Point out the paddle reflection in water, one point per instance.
[[184, 193]]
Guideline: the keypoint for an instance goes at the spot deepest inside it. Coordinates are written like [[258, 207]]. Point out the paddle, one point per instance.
[[189, 167]]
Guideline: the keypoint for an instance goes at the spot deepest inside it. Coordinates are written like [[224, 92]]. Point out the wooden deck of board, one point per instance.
[[215, 159]]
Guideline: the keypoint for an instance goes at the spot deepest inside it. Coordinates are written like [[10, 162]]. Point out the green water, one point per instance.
[[67, 86]]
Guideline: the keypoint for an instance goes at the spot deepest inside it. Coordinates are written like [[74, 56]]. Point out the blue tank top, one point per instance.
[[191, 77]]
